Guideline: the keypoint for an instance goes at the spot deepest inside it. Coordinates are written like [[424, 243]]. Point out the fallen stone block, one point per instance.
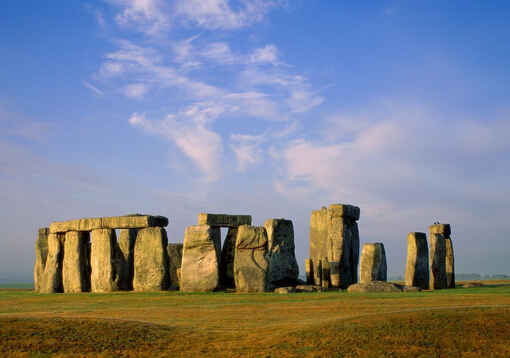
[[373, 263], [251, 268], [437, 262], [200, 268], [41, 254], [223, 220], [52, 277], [305, 288], [375, 287], [151, 260], [417, 266], [109, 266], [285, 290]]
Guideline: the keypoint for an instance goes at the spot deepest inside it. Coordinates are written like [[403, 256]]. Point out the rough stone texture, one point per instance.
[[134, 221], [127, 239], [283, 266], [305, 288], [52, 277], [228, 253], [437, 260], [109, 266], [318, 273], [443, 229], [76, 262], [344, 211], [309, 271], [151, 260], [325, 272], [417, 266], [450, 264], [373, 263], [251, 268], [285, 290], [473, 285], [319, 223], [223, 220], [354, 254], [175, 257], [339, 250], [41, 254], [380, 287], [201, 255]]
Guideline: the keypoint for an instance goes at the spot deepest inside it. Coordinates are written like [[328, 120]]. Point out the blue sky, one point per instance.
[[268, 108]]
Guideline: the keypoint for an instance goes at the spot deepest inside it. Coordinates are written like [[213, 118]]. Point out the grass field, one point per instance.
[[472, 322]]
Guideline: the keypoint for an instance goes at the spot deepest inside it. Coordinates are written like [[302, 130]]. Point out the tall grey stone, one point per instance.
[[52, 277], [319, 224], [283, 266], [339, 250], [126, 241], [76, 262], [109, 266], [373, 263], [325, 273], [417, 266], [437, 260], [175, 256], [41, 254], [151, 260], [201, 255], [227, 258], [450, 264], [309, 271], [251, 268]]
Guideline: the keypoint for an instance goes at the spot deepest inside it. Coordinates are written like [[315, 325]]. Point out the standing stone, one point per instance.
[[41, 254], [354, 254], [373, 263], [251, 268], [151, 260], [319, 225], [52, 278], [127, 239], [284, 270], [325, 272], [175, 256], [450, 264], [200, 270], [227, 258], [109, 266], [338, 253], [437, 262], [309, 271], [318, 273], [417, 266], [76, 264]]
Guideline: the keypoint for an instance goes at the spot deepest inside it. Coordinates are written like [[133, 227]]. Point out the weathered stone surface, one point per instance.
[[175, 256], [373, 263], [318, 273], [305, 288], [109, 266], [127, 239], [76, 262], [339, 249], [151, 260], [41, 254], [375, 287], [228, 253], [52, 278], [354, 253], [344, 211], [325, 273], [450, 264], [319, 224], [201, 255], [443, 229], [223, 220], [251, 268], [285, 290], [473, 285], [283, 266], [134, 221], [437, 260], [417, 266], [309, 271]]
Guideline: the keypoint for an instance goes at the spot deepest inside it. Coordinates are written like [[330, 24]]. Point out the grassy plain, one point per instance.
[[464, 322]]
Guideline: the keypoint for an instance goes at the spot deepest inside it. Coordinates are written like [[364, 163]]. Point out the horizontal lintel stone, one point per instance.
[[344, 211], [443, 229], [136, 221], [223, 220]]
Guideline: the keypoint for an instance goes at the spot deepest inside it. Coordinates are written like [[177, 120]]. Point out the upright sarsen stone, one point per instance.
[[450, 264], [319, 225], [201, 255], [175, 256], [52, 278], [151, 260], [309, 272], [283, 266], [437, 262], [251, 268], [127, 239], [76, 262], [339, 251], [373, 263], [228, 253], [41, 254], [417, 266], [109, 266]]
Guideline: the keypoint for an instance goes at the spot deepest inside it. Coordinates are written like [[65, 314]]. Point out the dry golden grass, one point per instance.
[[449, 323]]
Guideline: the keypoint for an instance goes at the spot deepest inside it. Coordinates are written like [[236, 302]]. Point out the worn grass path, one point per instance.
[[450, 323]]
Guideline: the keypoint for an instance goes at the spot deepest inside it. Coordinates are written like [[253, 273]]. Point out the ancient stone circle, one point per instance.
[[85, 255]]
